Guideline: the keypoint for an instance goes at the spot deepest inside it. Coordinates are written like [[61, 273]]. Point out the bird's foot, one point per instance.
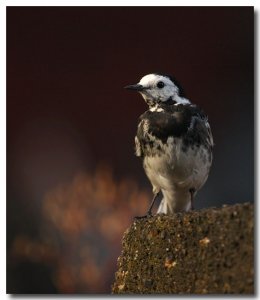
[[148, 215]]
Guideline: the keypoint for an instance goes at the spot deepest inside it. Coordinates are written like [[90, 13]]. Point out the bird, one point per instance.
[[174, 141]]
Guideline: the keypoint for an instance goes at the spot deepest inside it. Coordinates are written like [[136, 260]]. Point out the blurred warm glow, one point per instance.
[[81, 229]]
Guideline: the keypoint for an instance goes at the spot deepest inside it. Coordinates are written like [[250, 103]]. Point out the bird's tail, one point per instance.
[[174, 201], [163, 208]]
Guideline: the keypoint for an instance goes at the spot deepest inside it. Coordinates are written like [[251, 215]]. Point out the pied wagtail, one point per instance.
[[174, 141]]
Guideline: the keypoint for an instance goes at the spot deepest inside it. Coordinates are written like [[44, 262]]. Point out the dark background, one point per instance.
[[67, 111]]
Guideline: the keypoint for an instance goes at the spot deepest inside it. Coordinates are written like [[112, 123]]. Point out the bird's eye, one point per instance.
[[160, 84]]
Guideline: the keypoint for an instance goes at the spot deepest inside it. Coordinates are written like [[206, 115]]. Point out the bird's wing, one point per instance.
[[210, 136], [138, 148], [200, 131]]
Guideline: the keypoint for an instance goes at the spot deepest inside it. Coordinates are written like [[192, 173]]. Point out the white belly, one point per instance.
[[175, 172]]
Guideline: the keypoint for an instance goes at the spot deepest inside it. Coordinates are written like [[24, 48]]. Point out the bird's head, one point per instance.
[[157, 89]]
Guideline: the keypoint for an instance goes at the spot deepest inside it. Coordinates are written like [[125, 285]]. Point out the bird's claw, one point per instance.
[[148, 215]]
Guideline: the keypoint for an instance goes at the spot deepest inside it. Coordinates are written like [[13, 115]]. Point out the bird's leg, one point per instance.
[[149, 212], [192, 192]]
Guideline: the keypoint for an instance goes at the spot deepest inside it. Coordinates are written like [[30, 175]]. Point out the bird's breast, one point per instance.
[[172, 162]]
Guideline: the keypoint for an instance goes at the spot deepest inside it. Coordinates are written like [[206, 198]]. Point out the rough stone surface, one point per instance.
[[199, 252]]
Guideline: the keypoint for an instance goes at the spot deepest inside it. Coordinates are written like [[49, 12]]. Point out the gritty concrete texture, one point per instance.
[[199, 252]]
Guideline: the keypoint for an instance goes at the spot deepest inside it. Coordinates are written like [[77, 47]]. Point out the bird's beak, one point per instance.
[[135, 87]]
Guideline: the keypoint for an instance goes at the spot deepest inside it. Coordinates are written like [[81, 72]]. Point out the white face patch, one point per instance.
[[159, 89]]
